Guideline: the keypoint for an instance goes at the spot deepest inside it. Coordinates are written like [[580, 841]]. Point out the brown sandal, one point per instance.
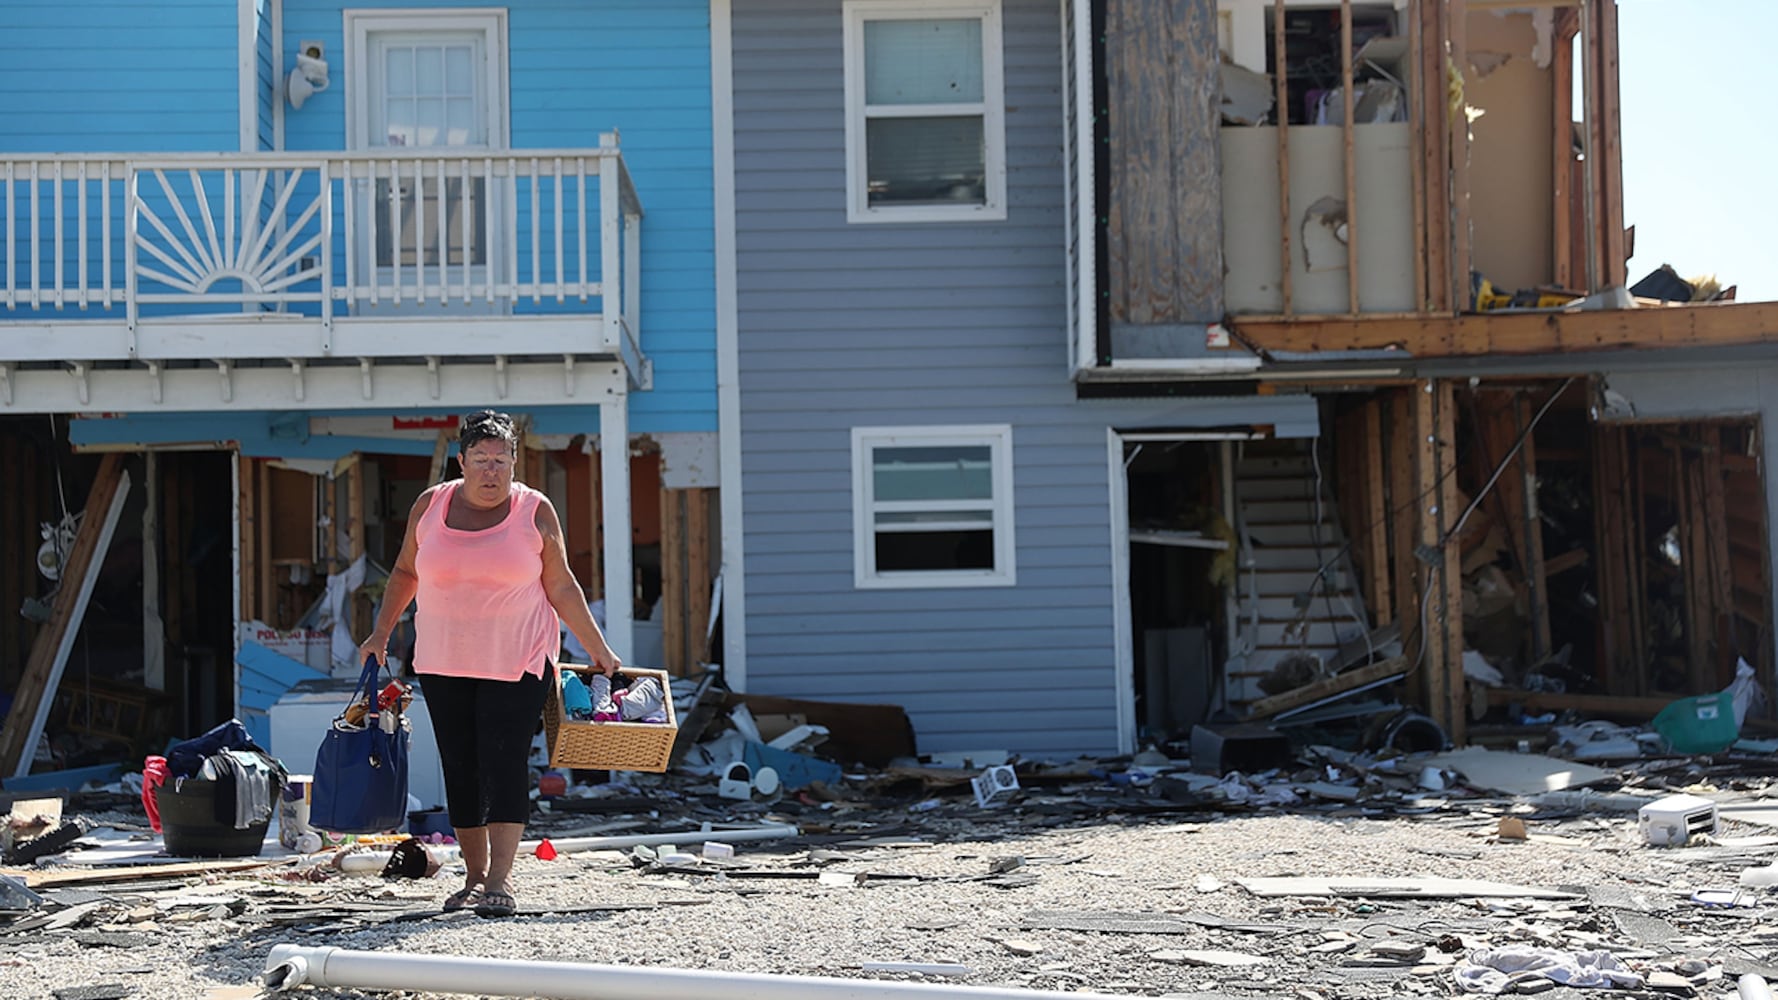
[[495, 903], [462, 899]]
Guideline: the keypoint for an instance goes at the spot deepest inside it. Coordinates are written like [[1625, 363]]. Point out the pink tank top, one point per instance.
[[481, 610]]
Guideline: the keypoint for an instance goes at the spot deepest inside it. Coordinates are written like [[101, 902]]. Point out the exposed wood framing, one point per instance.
[[1714, 324], [1457, 121], [1501, 415], [1444, 621], [672, 607], [441, 449], [1281, 113], [1562, 146], [49, 650], [259, 541], [1351, 167], [358, 603], [1361, 483], [1433, 134], [1605, 146], [1531, 529], [686, 542], [1403, 518], [250, 583], [1620, 571]]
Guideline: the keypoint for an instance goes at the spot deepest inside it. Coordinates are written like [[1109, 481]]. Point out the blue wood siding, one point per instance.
[[120, 76], [262, 67], [922, 325], [577, 69]]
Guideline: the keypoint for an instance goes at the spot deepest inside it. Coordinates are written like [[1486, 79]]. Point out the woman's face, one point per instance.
[[487, 473]]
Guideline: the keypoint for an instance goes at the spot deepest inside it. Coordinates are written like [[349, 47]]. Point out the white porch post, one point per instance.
[[614, 508]]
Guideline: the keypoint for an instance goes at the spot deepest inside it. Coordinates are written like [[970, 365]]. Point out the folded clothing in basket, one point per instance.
[[642, 701]]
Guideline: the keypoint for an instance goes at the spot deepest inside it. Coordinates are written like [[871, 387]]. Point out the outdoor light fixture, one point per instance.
[[310, 75]]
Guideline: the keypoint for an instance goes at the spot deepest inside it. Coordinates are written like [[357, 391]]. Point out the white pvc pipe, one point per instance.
[[1752, 987], [291, 965], [369, 861]]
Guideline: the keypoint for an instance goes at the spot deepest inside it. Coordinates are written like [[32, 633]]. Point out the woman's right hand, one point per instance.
[[376, 646]]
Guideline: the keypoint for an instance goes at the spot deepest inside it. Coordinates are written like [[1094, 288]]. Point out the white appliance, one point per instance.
[[300, 717], [1676, 819]]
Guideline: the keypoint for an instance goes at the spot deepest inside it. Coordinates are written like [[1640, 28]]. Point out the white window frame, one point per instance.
[[865, 440], [993, 110], [360, 24]]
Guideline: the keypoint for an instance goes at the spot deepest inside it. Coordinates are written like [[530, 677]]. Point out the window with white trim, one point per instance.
[[932, 506], [925, 111]]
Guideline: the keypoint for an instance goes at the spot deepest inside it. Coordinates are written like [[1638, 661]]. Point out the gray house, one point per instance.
[[1080, 362], [930, 512]]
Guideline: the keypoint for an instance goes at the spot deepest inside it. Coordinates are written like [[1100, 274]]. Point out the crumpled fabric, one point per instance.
[[154, 774], [1497, 970]]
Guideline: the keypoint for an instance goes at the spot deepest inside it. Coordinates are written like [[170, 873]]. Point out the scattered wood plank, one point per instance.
[[1351, 680], [50, 648], [35, 879]]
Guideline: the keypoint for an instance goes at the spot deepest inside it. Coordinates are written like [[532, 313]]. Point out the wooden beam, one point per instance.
[[1713, 324], [49, 650], [1281, 113], [259, 545], [1353, 305], [1445, 620], [1376, 515], [1338, 684], [1531, 535], [441, 449], [1610, 152], [1457, 42], [249, 491], [1561, 156], [1432, 84], [699, 543], [1403, 522], [671, 614]]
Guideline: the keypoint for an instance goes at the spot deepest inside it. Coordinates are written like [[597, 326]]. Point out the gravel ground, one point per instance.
[[937, 902]]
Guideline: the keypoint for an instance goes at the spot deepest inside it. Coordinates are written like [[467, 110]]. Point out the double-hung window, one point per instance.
[[932, 506], [925, 111]]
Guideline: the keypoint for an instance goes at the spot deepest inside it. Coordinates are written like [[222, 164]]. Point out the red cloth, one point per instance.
[[154, 774]]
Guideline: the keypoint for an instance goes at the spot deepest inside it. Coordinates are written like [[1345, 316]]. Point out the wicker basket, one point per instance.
[[609, 746]]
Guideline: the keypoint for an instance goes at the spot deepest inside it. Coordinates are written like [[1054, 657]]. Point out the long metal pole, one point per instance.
[[291, 965]]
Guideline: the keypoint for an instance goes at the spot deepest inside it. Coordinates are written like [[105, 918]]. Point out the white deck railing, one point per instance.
[[384, 233]]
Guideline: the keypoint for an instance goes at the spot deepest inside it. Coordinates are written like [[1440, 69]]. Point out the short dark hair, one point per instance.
[[487, 425]]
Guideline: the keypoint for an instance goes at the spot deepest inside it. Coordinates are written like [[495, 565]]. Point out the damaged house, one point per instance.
[[1077, 371], [258, 257], [1104, 368]]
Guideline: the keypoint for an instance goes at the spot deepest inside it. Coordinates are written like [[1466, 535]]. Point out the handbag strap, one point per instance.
[[367, 681]]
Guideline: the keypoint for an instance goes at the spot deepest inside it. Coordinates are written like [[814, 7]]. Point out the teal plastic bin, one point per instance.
[[1703, 724]]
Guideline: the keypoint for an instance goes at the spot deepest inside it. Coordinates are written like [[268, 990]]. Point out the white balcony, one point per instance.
[[274, 280]]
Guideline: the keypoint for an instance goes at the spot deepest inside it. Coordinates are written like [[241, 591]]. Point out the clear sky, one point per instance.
[[1701, 139]]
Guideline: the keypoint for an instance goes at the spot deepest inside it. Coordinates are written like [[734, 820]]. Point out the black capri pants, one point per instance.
[[484, 729]]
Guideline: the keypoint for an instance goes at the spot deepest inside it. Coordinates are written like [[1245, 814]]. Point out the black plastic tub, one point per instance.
[[190, 828]]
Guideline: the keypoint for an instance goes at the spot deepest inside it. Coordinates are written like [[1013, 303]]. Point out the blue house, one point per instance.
[[1102, 369], [269, 249]]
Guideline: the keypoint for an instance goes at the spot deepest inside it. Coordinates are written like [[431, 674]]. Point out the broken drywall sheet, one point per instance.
[[1247, 96], [1429, 887], [1516, 773]]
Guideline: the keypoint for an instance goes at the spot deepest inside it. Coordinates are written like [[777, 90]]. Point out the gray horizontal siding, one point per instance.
[[930, 325]]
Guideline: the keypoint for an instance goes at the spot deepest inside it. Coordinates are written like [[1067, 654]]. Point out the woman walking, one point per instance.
[[485, 563]]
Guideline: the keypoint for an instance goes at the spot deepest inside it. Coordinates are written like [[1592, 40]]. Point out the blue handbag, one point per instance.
[[361, 769]]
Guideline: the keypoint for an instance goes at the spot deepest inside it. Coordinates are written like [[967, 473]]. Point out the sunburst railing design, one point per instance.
[[268, 238]]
